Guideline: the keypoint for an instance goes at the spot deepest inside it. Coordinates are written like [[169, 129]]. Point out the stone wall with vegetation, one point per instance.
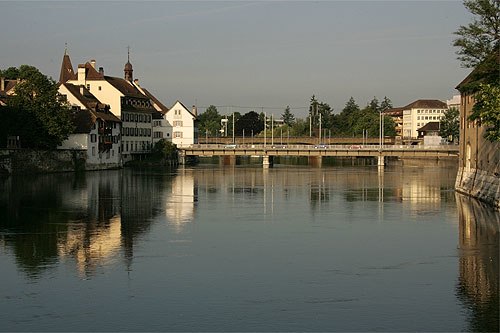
[[28, 161]]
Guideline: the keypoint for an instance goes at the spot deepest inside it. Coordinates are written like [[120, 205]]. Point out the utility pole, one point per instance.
[[272, 129], [265, 127], [319, 129]]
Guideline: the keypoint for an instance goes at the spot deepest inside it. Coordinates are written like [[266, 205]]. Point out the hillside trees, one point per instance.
[[36, 112]]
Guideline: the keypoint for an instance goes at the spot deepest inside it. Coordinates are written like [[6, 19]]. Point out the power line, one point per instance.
[[257, 107]]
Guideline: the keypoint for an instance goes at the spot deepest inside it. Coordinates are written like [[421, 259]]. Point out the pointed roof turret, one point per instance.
[[128, 68], [67, 72]]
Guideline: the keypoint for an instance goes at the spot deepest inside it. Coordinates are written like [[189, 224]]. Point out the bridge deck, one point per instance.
[[320, 150]]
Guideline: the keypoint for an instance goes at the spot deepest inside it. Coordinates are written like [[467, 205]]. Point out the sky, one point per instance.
[[249, 55]]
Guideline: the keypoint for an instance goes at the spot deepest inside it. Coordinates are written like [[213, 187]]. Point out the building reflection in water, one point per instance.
[[180, 200], [478, 285], [88, 218]]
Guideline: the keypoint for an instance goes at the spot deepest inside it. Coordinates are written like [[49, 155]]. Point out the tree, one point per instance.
[[350, 106], [165, 150], [487, 110], [326, 113], [374, 105], [250, 123], [10, 73], [209, 121], [480, 38], [288, 117], [313, 111], [37, 99], [386, 104], [449, 125]]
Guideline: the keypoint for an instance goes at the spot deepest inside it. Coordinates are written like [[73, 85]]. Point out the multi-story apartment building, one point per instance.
[[419, 113]]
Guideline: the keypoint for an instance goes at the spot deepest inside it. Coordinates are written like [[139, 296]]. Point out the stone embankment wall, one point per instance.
[[480, 184], [27, 161]]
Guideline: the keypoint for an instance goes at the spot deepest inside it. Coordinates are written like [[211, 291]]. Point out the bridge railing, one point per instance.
[[319, 147]]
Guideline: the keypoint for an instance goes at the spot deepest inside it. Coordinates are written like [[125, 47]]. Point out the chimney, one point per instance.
[[2, 84], [81, 74], [101, 70], [195, 111], [92, 62], [81, 90], [136, 81]]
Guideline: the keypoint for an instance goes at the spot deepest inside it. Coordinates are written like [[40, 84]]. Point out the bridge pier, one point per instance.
[[315, 161], [267, 161], [227, 160]]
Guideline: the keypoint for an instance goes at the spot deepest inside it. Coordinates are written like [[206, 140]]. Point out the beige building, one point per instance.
[[479, 159], [419, 113]]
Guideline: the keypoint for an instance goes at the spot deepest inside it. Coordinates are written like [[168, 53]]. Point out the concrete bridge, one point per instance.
[[316, 152]]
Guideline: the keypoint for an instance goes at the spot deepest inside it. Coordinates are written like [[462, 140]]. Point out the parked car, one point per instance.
[[321, 146]]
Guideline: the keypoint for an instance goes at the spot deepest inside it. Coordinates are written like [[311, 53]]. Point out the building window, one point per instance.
[[93, 137], [93, 151], [99, 88], [177, 134], [88, 87], [177, 123]]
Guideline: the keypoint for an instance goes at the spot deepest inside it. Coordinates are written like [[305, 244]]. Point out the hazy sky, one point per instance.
[[248, 53]]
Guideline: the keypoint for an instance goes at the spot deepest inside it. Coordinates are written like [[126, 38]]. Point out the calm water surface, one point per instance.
[[243, 248]]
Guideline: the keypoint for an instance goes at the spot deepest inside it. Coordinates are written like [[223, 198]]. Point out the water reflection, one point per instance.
[[85, 218], [478, 286], [260, 228], [95, 218]]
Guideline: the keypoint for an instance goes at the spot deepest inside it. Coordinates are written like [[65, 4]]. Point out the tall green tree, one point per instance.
[[374, 104], [288, 117], [480, 38], [209, 121], [386, 104], [250, 123], [350, 107], [449, 126], [487, 110], [37, 98], [313, 111]]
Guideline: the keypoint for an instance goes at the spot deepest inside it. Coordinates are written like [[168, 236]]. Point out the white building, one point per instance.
[[126, 101], [182, 125], [97, 130], [454, 102], [419, 113]]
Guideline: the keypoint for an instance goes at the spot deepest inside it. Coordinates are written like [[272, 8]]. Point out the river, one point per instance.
[[243, 248]]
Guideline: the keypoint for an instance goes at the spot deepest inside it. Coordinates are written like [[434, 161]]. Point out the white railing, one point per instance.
[[319, 147]]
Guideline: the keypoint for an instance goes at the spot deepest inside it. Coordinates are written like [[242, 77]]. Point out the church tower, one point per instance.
[[67, 72], [128, 68]]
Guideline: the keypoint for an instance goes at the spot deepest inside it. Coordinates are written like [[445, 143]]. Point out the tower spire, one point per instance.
[[128, 67]]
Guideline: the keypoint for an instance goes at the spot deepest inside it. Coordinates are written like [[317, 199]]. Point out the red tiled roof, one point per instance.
[[163, 108], [426, 104], [67, 72], [432, 126], [125, 87]]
